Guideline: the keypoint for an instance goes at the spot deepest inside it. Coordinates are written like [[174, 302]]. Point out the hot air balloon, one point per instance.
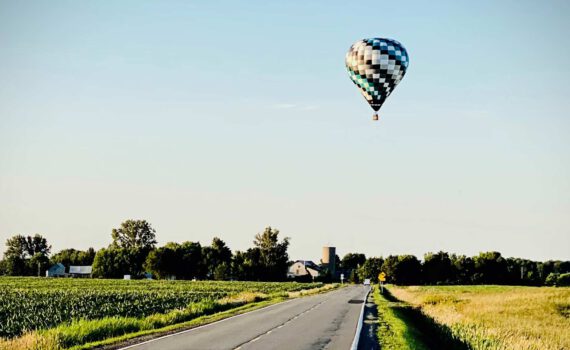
[[376, 66]]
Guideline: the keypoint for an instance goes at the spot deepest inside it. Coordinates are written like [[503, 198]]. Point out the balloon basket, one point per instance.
[[375, 117]]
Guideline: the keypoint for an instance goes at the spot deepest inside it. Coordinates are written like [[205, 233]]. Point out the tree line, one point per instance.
[[133, 251], [442, 268]]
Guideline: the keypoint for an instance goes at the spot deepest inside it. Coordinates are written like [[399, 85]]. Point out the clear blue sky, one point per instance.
[[220, 118]]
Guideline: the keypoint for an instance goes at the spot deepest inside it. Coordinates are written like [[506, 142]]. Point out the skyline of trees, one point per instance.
[[133, 251], [26, 255]]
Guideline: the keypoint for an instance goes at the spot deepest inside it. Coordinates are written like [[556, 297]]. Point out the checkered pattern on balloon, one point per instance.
[[376, 66]]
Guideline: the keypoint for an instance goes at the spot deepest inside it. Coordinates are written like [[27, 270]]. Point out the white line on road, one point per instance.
[[359, 326], [281, 325]]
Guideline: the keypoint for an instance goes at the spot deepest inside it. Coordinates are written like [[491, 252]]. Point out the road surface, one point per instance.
[[323, 321]]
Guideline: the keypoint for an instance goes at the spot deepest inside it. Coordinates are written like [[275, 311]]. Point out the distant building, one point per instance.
[[57, 270], [306, 270], [329, 260], [80, 271], [303, 268]]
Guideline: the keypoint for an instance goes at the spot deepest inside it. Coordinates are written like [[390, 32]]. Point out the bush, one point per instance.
[[558, 279], [563, 280], [551, 279]]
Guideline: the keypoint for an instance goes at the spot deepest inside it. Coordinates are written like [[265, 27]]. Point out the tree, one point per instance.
[[134, 234], [115, 262], [551, 279], [563, 267], [191, 260], [163, 262], [184, 261], [222, 272], [15, 266], [132, 242], [248, 266], [26, 255], [72, 256], [464, 268], [523, 272], [408, 271], [438, 269], [402, 269], [107, 264], [26, 247], [37, 245], [389, 267], [370, 269], [563, 280], [273, 256], [490, 268], [15, 255], [16, 246], [86, 257], [238, 269], [353, 260], [353, 278], [37, 264], [216, 254]]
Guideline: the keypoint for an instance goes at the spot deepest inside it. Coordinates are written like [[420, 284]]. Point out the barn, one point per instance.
[[301, 268], [57, 270], [80, 271]]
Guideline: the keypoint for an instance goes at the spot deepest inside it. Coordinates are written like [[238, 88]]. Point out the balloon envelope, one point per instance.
[[376, 66]]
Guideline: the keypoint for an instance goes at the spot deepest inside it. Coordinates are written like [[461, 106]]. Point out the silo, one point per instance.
[[329, 259]]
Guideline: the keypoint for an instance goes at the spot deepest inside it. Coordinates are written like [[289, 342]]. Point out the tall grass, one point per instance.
[[393, 332], [497, 317], [403, 326]]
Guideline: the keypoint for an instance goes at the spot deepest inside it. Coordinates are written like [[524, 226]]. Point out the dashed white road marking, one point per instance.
[[281, 325]]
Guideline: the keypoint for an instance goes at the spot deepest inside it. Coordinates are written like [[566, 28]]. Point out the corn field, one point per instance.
[[39, 303]]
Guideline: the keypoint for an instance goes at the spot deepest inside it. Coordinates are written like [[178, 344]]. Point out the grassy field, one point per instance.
[[395, 330], [69, 312], [483, 317]]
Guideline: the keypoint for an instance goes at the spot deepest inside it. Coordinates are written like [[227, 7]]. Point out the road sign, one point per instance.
[[382, 277]]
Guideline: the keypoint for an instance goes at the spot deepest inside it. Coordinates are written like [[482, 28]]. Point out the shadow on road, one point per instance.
[[355, 301]]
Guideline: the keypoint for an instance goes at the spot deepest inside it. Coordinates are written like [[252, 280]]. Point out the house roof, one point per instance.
[[310, 263], [81, 269], [56, 267]]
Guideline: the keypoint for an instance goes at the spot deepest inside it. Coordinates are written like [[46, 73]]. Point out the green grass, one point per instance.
[[395, 330], [179, 326]]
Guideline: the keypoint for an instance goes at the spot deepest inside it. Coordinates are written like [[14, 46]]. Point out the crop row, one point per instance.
[[39, 303], [32, 283]]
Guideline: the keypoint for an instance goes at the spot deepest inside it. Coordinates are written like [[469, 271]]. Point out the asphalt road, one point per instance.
[[323, 321]]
